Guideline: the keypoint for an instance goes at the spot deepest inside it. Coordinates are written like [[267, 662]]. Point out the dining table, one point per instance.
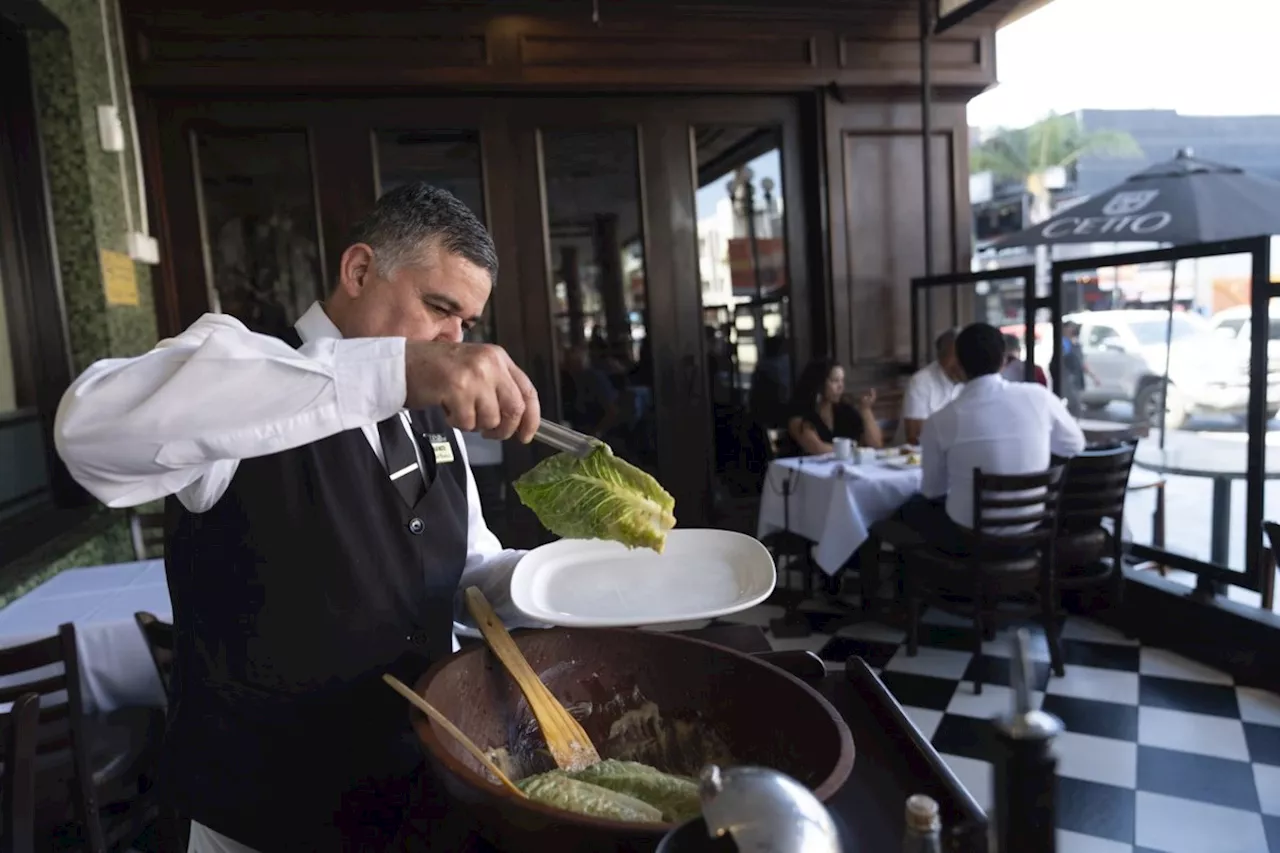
[[1222, 461], [116, 669], [833, 502]]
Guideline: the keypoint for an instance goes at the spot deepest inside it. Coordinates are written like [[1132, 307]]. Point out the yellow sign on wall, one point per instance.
[[119, 278]]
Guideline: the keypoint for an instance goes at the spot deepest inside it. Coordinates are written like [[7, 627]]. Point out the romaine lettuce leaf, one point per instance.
[[599, 497]]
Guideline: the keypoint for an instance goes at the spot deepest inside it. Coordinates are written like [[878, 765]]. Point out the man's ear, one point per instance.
[[354, 269]]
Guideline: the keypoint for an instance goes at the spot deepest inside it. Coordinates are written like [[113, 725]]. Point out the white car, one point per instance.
[[1232, 324], [1208, 373]]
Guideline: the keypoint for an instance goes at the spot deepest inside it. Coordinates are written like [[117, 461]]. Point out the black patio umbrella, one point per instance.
[[1183, 201]]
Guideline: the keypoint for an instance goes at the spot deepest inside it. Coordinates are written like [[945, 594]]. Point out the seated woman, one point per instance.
[[821, 413]]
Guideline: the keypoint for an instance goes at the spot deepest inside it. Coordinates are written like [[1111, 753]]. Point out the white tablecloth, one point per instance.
[[116, 670], [832, 503]]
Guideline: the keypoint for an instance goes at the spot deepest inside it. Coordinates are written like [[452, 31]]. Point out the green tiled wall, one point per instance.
[[70, 75], [70, 70], [111, 546]]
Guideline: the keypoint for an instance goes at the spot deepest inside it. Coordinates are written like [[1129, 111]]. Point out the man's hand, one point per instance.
[[478, 385]]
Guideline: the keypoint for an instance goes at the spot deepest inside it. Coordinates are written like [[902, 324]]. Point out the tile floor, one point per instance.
[[1160, 753]]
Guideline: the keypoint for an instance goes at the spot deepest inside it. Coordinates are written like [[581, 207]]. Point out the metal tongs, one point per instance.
[[565, 440]]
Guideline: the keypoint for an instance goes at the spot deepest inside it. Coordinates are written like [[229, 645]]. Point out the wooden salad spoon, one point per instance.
[[566, 739]]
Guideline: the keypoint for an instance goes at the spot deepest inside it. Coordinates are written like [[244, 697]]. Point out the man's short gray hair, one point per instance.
[[945, 342], [412, 215]]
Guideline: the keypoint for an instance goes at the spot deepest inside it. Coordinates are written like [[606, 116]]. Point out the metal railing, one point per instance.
[[924, 288]]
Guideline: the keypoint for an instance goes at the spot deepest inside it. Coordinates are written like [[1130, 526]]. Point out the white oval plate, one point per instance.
[[590, 583]]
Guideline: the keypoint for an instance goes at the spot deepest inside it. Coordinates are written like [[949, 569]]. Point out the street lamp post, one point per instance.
[[742, 192]]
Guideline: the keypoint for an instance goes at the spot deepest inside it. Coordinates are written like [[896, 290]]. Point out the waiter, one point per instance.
[[321, 519]]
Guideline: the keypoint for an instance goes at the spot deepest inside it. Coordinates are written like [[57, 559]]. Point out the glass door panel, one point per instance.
[[599, 295], [257, 210], [746, 297]]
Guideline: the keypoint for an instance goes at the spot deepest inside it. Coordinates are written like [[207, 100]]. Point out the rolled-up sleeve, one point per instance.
[[139, 429]]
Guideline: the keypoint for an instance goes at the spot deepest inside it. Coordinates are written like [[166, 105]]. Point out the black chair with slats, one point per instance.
[[19, 795], [109, 806], [159, 637], [173, 831], [146, 530], [1090, 545], [1007, 573]]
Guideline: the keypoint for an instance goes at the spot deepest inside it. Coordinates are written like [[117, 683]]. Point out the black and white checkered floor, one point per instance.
[[1160, 753]]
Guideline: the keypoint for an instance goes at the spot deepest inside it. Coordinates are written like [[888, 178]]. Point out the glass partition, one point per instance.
[[1159, 346]]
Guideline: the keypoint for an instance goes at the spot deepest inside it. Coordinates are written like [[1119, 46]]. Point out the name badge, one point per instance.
[[441, 447]]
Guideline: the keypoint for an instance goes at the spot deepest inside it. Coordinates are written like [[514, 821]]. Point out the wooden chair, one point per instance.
[[22, 721], [1005, 575], [50, 668], [159, 637], [172, 830], [1094, 490], [147, 531]]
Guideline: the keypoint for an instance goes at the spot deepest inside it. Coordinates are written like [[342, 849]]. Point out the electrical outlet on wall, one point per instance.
[[143, 248], [110, 128]]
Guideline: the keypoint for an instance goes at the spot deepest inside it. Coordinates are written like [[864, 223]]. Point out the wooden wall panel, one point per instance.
[[948, 53], [719, 46], [421, 49], [611, 51], [885, 232], [877, 225]]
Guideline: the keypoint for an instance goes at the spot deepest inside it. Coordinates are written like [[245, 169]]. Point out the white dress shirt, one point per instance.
[[999, 427], [178, 420], [928, 390]]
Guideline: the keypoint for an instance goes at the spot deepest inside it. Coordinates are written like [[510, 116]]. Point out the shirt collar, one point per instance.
[[315, 324], [941, 375], [991, 380]]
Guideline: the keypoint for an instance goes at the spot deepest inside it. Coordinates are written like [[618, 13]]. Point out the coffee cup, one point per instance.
[[844, 449]]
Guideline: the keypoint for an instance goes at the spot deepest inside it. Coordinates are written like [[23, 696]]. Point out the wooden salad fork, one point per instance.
[[440, 719]]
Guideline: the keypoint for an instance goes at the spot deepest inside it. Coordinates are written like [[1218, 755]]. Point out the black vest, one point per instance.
[[307, 581]]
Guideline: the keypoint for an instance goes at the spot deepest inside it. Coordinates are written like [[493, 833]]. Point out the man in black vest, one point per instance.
[[321, 520]]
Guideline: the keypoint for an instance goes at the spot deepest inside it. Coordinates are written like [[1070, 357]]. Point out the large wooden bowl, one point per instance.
[[713, 704]]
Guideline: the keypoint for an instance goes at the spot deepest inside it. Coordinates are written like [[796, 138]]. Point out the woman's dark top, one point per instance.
[[845, 420]]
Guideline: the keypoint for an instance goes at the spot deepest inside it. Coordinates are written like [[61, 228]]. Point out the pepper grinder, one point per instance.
[[1025, 771]]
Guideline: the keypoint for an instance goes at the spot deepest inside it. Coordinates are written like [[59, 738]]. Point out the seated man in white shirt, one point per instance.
[[997, 426], [930, 388]]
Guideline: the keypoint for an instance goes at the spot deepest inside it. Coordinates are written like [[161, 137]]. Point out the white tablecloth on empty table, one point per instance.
[[116, 670], [832, 503]]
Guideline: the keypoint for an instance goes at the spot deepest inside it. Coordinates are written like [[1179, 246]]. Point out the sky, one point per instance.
[[767, 165], [1200, 58]]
